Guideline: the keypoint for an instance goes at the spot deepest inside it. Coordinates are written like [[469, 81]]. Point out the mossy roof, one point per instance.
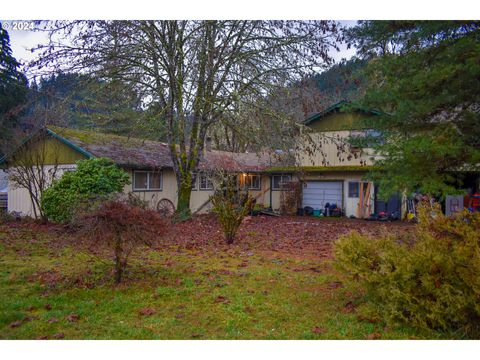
[[347, 168], [141, 153]]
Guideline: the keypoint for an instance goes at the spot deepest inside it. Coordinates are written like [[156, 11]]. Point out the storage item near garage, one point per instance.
[[453, 204], [317, 212], [308, 210]]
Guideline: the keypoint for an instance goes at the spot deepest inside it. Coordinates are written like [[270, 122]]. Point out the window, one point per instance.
[[277, 179], [366, 138], [250, 181], [253, 182], [204, 182], [353, 189], [147, 180]]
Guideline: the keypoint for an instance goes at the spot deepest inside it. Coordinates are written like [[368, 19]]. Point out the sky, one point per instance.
[[22, 41]]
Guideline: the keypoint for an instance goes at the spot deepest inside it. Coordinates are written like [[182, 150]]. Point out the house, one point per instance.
[[3, 190], [328, 169], [148, 164]]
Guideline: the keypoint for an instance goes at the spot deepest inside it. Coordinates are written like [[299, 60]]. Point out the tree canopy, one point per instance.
[[194, 73], [13, 90], [425, 76]]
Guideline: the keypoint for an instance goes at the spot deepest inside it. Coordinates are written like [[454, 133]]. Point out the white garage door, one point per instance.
[[317, 193]]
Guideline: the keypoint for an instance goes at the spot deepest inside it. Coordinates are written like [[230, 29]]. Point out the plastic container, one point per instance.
[[317, 212]]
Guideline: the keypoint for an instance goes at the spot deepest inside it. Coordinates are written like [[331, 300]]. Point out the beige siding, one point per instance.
[[19, 198], [317, 147], [198, 198]]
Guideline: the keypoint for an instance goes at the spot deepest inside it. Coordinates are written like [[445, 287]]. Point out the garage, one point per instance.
[[317, 193]]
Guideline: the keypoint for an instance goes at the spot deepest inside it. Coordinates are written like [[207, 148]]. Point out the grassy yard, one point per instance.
[[195, 289]]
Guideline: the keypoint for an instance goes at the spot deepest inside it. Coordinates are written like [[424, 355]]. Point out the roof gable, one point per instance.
[[344, 107]]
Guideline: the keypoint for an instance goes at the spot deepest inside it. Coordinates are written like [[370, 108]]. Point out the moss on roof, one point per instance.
[[351, 168], [95, 136]]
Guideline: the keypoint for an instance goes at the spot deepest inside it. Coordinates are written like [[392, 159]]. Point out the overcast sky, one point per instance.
[[22, 41]]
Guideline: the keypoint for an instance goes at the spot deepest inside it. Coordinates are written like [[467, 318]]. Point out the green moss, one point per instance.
[[295, 169], [91, 137]]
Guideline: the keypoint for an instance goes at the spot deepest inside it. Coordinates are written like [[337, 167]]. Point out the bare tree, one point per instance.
[[194, 72], [34, 168]]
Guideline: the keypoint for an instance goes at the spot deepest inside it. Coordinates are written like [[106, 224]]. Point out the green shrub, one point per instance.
[[92, 178], [432, 283]]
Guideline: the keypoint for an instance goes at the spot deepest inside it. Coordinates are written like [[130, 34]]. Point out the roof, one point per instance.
[[344, 104], [140, 153]]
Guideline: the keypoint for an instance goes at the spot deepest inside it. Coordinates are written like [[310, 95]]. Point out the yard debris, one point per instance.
[[73, 317], [335, 285], [15, 324], [222, 299], [284, 234], [147, 311], [52, 320], [349, 307], [48, 307], [374, 336], [42, 337], [318, 330], [59, 336], [179, 316]]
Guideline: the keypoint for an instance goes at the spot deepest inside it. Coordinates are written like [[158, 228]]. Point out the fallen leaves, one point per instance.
[[222, 299], [318, 330], [349, 307], [147, 311], [374, 336], [16, 324], [73, 317], [287, 234]]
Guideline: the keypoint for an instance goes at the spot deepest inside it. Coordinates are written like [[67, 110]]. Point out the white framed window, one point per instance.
[[204, 181], [147, 180], [278, 179], [252, 182]]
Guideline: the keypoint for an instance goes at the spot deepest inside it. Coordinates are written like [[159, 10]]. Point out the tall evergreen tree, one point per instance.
[[425, 76], [13, 90]]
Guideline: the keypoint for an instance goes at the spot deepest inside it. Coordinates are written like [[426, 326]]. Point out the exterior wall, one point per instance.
[[19, 198], [198, 197], [53, 151], [324, 146]]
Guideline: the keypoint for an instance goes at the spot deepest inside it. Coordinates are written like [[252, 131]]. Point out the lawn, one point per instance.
[[276, 282]]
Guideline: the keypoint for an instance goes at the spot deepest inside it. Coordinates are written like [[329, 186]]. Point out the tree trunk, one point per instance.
[[183, 204], [118, 261]]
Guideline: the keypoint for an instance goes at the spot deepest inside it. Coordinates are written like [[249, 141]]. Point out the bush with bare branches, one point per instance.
[[120, 226]]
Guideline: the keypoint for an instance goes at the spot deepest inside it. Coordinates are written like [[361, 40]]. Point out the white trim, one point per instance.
[[148, 180]]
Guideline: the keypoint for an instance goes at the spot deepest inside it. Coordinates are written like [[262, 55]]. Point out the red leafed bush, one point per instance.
[[121, 227]]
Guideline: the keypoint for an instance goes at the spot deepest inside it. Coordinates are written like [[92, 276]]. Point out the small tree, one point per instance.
[[92, 178], [120, 226], [34, 168], [230, 205]]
